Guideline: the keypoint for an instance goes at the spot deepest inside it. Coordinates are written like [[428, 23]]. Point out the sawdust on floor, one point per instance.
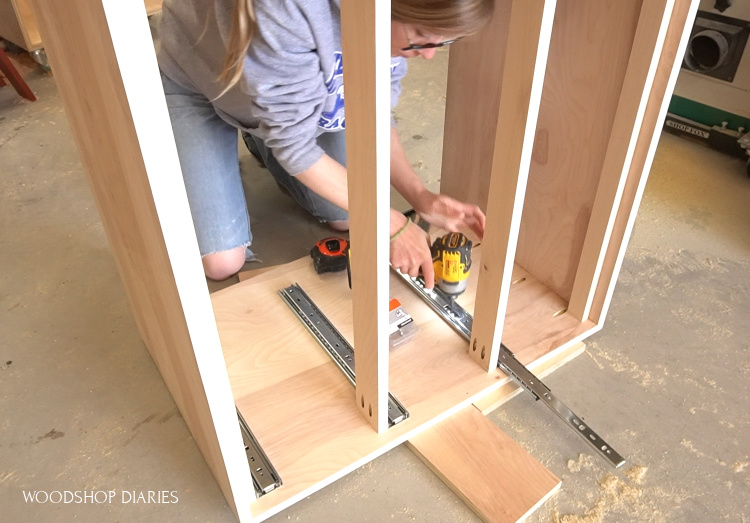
[[614, 494], [584, 461], [620, 363], [636, 474]]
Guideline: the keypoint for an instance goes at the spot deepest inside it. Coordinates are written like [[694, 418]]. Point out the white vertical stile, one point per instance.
[[366, 54], [133, 46], [106, 72]]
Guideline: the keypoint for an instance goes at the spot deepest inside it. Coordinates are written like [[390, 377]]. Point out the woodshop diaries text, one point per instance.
[[100, 496]]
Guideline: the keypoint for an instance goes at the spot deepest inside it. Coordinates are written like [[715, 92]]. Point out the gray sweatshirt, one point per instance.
[[291, 89]]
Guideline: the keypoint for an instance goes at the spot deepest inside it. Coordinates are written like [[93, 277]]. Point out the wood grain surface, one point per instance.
[[301, 407], [14, 25], [153, 6], [502, 484], [589, 53], [661, 91], [368, 128], [106, 73], [475, 72], [647, 48]]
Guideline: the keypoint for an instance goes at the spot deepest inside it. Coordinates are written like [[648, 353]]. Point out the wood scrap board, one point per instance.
[[503, 484]]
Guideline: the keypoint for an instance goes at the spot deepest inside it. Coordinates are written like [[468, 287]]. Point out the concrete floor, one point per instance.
[[665, 381]]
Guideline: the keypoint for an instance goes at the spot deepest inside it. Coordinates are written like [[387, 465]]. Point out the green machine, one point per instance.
[[711, 100]]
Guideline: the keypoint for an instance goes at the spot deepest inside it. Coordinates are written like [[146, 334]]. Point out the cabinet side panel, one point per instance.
[[644, 61], [28, 25], [669, 66], [588, 58], [106, 72], [10, 25]]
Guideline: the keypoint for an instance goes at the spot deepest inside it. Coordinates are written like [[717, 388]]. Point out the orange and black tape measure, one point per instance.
[[329, 255]]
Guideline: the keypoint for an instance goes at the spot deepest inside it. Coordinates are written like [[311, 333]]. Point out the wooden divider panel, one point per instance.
[[530, 27], [364, 24], [589, 53], [107, 76]]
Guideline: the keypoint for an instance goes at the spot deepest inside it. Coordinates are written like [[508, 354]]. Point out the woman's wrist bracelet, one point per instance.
[[401, 230]]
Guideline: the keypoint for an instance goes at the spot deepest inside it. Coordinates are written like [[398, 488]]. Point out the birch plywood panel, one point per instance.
[[108, 79], [589, 52], [642, 67], [10, 24], [28, 24], [301, 407], [298, 403]]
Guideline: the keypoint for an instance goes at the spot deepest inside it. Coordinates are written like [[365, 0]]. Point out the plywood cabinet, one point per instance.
[[553, 115], [18, 23]]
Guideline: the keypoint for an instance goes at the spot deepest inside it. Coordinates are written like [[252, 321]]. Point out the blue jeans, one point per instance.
[[207, 149], [334, 144]]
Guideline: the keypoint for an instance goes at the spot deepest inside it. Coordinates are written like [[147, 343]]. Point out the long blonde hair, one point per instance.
[[240, 35], [448, 17]]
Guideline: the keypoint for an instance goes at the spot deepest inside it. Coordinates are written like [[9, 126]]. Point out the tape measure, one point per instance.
[[329, 255]]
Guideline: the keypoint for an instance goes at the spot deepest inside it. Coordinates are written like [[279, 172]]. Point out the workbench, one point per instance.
[[553, 114]]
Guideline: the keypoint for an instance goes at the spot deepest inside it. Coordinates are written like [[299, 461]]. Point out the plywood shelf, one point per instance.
[[302, 409]]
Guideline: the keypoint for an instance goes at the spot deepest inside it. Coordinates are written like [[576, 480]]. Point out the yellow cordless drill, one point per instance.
[[451, 259]]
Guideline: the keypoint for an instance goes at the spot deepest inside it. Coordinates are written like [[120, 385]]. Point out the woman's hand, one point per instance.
[[450, 214], [410, 250]]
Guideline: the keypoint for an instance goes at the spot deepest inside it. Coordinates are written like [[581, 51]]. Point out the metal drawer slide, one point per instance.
[[265, 477], [333, 342], [462, 322]]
